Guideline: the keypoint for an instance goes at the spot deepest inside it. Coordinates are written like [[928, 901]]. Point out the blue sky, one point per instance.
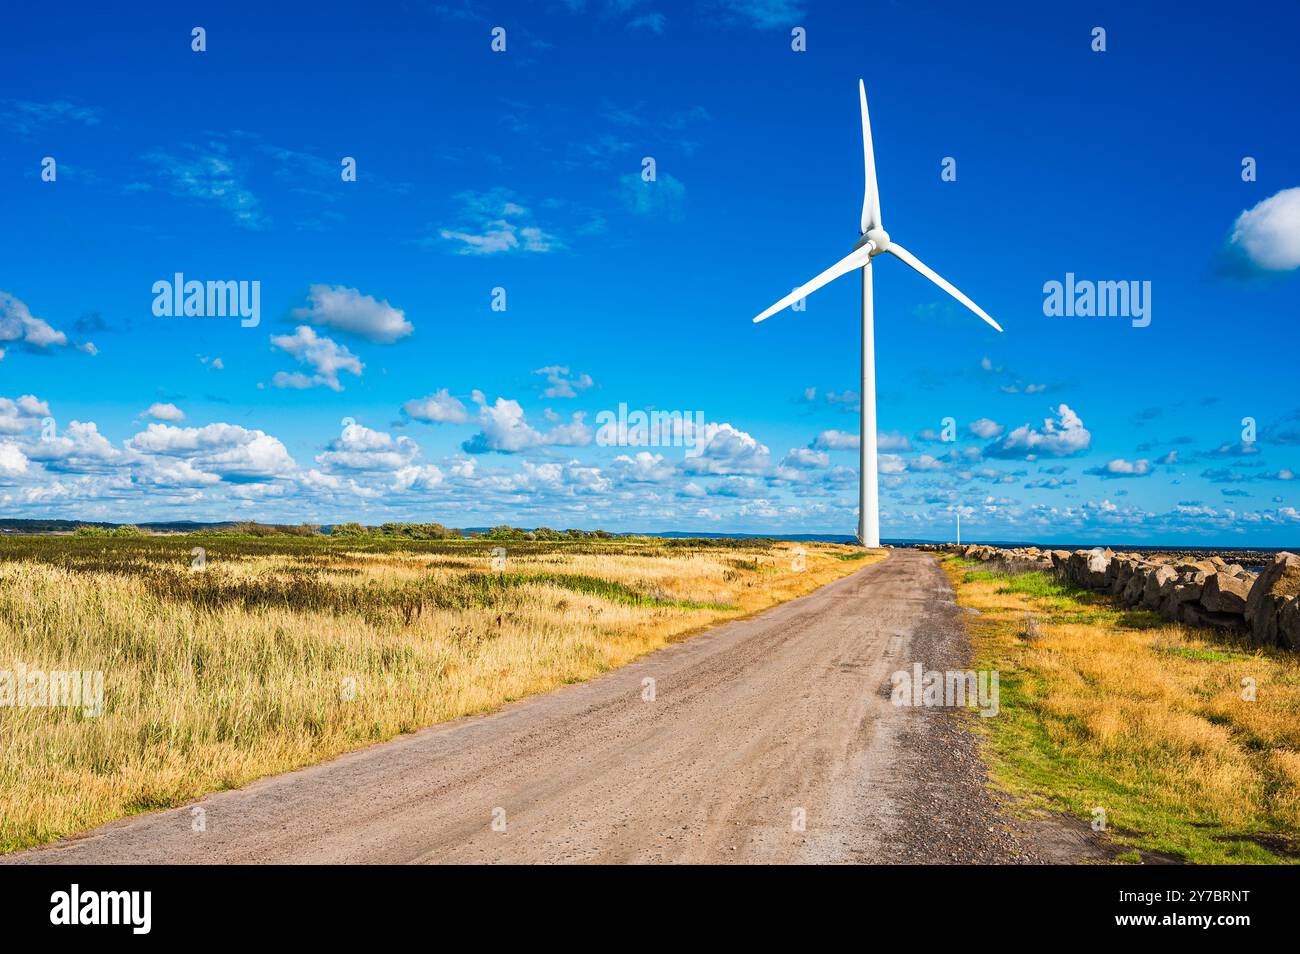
[[522, 170]]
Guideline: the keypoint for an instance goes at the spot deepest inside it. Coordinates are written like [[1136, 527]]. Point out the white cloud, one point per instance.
[[18, 324], [1061, 436], [346, 309], [22, 414], [722, 449], [984, 428], [506, 431], [1121, 468], [165, 412], [324, 355], [225, 450], [804, 457], [438, 408], [13, 462], [891, 441], [1269, 234], [417, 477], [363, 449], [499, 224], [562, 383], [926, 462], [643, 468], [80, 447], [836, 440]]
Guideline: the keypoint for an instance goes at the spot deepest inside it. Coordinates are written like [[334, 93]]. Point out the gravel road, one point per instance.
[[770, 739]]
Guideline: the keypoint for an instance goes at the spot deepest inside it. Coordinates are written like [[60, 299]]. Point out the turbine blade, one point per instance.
[[870, 195], [855, 259], [908, 258]]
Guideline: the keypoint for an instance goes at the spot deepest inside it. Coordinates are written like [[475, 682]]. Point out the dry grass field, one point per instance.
[[283, 652], [1188, 740]]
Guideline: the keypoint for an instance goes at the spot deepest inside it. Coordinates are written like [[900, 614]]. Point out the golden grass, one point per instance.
[[1144, 718], [201, 697]]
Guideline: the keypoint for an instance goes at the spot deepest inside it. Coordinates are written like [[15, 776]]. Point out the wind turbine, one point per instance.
[[874, 240]]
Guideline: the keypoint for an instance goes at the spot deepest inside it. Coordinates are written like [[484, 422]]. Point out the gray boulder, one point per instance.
[[1225, 593], [1157, 580], [1276, 587]]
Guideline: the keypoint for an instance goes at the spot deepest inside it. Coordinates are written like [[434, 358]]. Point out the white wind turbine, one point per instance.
[[874, 240]]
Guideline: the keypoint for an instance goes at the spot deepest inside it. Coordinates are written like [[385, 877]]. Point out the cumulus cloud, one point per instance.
[[19, 326], [641, 468], [1268, 235], [79, 447], [561, 383], [165, 412], [224, 450], [985, 428], [806, 458], [1061, 436], [723, 449], [505, 430], [437, 408], [363, 449], [346, 309], [836, 440], [13, 462], [1121, 468], [324, 355], [892, 441], [22, 414]]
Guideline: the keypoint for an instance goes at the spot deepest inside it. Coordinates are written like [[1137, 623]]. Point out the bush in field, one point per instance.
[[254, 529], [126, 530], [506, 532], [349, 530], [418, 531]]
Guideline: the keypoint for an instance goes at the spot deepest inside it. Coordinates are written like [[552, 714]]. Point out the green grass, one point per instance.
[[609, 590], [1042, 751], [1030, 764]]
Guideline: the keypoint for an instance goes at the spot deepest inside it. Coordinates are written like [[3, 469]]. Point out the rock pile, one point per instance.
[[1199, 592]]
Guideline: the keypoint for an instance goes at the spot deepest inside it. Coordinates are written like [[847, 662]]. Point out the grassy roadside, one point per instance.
[[1121, 710], [284, 653]]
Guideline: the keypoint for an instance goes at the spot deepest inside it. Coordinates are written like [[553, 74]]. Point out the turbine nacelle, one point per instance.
[[879, 238]]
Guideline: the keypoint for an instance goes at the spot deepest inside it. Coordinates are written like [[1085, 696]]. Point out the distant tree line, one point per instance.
[[405, 531], [126, 530], [506, 532]]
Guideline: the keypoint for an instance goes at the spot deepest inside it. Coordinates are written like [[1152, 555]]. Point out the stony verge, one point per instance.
[[1206, 592]]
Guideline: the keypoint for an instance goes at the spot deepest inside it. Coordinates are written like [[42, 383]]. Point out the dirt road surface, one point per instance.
[[769, 739]]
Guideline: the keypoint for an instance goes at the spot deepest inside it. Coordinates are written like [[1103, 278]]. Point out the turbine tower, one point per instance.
[[873, 241]]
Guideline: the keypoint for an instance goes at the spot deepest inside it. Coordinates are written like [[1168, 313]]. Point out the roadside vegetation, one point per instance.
[[1187, 739], [268, 651]]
